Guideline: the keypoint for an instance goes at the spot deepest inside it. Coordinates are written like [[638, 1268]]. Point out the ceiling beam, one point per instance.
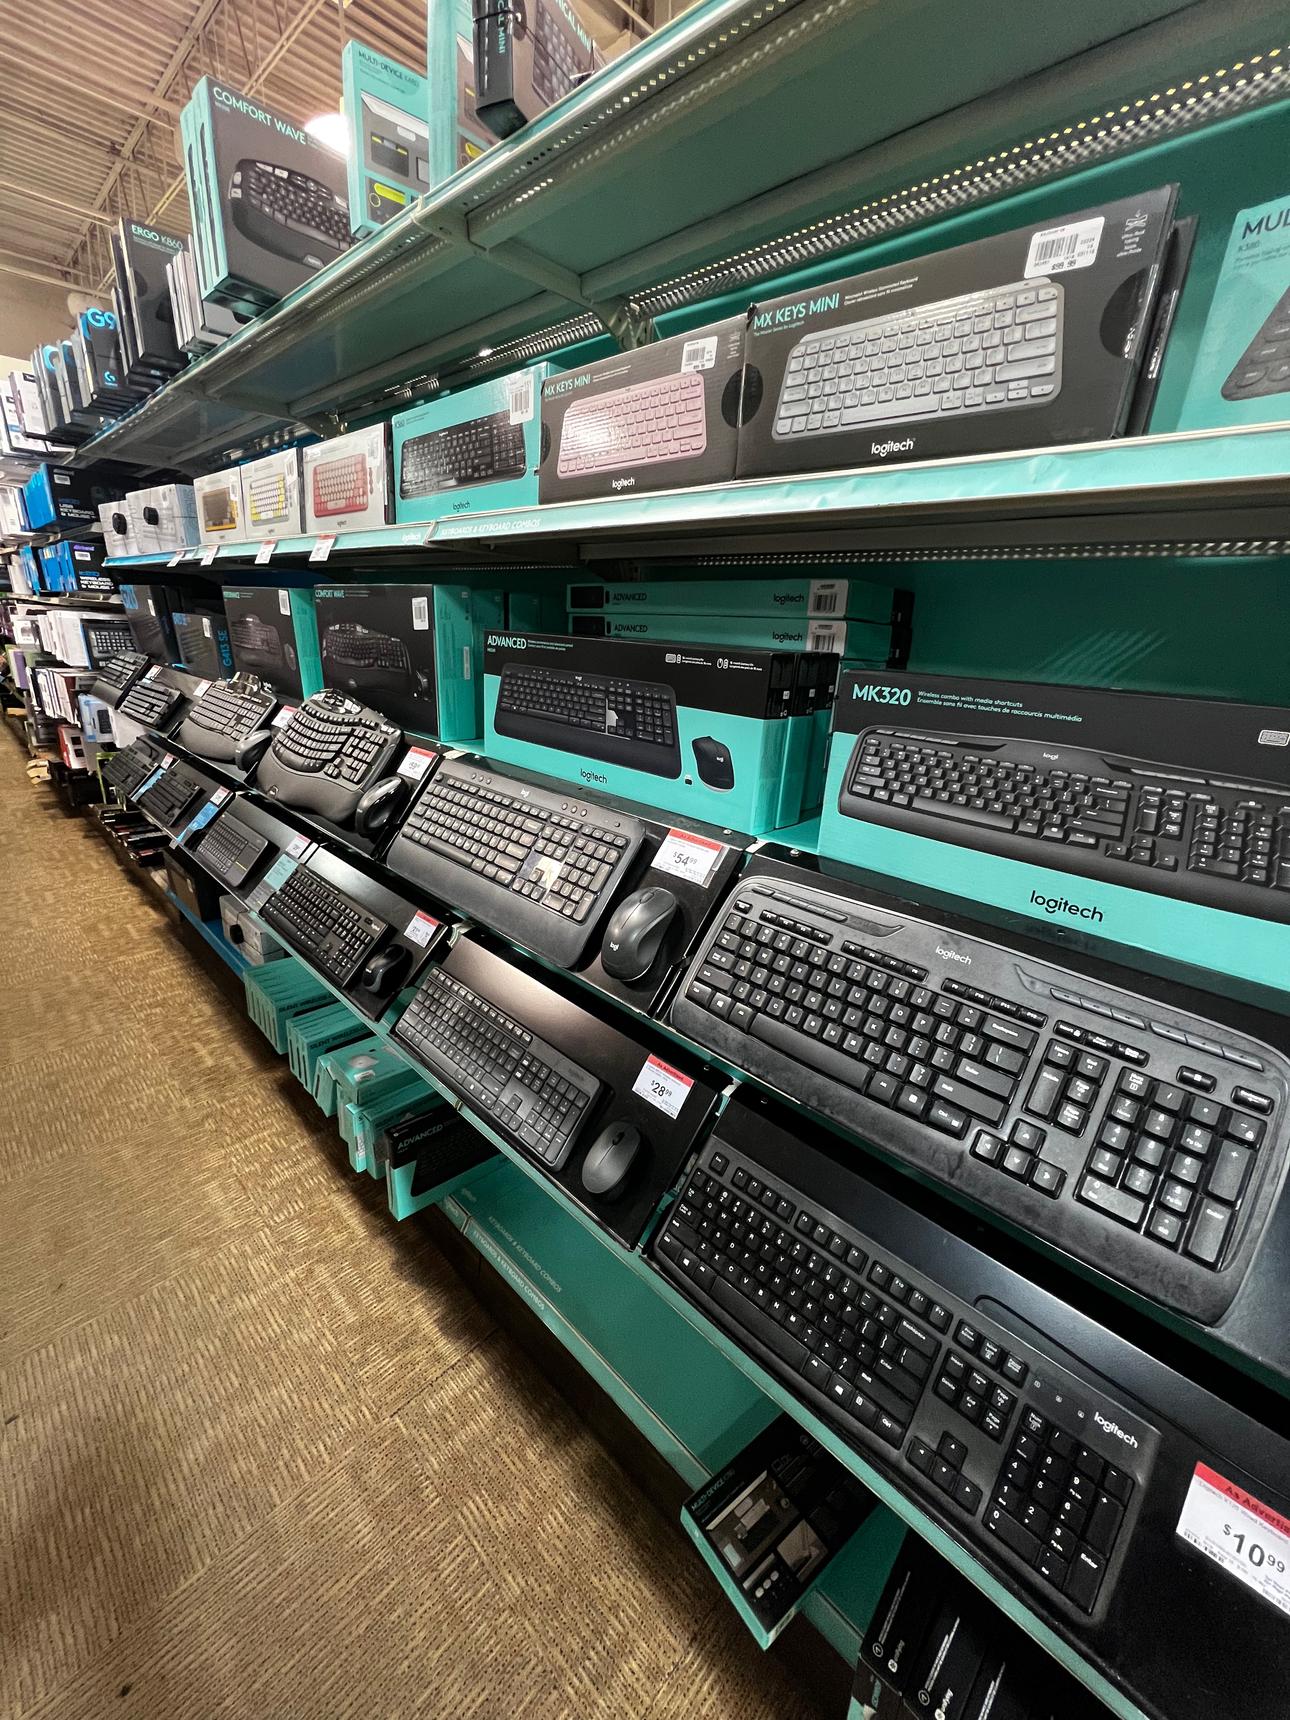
[[51, 76], [34, 196]]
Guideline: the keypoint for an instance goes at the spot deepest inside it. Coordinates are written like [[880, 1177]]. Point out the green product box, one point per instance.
[[436, 457], [388, 106], [273, 632], [868, 641], [457, 134], [1242, 370], [792, 596]]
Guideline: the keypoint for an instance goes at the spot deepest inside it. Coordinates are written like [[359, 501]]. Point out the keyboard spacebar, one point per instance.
[[748, 1315], [803, 1049], [963, 814], [883, 411]]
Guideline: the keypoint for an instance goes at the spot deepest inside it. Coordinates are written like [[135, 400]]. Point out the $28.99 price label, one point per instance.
[[1247, 1538], [661, 1085]]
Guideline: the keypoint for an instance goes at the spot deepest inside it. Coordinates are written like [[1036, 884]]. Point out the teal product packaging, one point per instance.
[[441, 447], [457, 134], [792, 596], [696, 730], [412, 651], [1150, 820], [273, 632], [868, 641], [1241, 374], [388, 108], [536, 612], [802, 782]]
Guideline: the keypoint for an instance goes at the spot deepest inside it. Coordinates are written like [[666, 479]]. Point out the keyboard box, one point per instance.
[[57, 496], [141, 254], [525, 61], [219, 507], [201, 633], [870, 641], [273, 632], [269, 202], [162, 518], [388, 105], [712, 725], [656, 418], [247, 936], [413, 651], [345, 481], [271, 506], [457, 134], [1176, 745], [1096, 272], [1241, 373], [792, 597], [148, 610], [484, 442]]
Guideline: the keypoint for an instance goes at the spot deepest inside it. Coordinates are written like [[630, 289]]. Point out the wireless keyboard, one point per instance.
[[122, 670], [646, 424], [289, 213], [990, 351], [603, 717], [534, 864], [220, 507], [340, 486], [482, 451], [516, 1079], [266, 502], [229, 850], [222, 719], [1265, 364], [149, 703], [171, 798], [1143, 1140], [107, 640], [355, 656], [126, 769], [327, 755], [1025, 1458], [334, 934], [557, 65], [1183, 833]]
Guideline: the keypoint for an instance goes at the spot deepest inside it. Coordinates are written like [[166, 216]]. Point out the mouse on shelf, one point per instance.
[[609, 1159], [383, 972], [636, 931], [713, 762], [250, 751], [380, 806]]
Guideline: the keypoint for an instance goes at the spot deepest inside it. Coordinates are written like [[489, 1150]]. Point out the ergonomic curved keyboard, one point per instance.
[[354, 656], [645, 424], [288, 212], [223, 718], [481, 451], [603, 717], [330, 751]]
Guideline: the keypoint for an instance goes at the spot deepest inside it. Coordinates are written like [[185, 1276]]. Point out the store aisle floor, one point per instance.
[[261, 1452]]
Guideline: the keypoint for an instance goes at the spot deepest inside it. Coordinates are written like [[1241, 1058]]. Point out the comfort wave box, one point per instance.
[[1019, 340], [793, 597], [1151, 820], [469, 451], [694, 729], [388, 108], [273, 633], [654, 418], [1241, 373], [870, 641]]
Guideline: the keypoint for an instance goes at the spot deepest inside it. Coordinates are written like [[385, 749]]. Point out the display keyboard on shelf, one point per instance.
[[354, 656], [107, 641], [535, 864], [150, 703], [119, 672], [225, 716], [645, 424], [1145, 1141], [229, 850], [603, 717], [330, 751], [482, 451], [334, 934], [1200, 837], [171, 798], [510, 1074], [340, 486], [130, 767], [288, 212]]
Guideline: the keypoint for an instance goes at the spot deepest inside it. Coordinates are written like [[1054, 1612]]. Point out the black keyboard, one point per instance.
[[171, 797], [327, 755], [126, 769], [604, 717], [1020, 1454], [289, 213], [107, 640], [516, 1079], [121, 670], [353, 655], [333, 934], [256, 644], [1143, 1140], [481, 451], [534, 864], [558, 66], [149, 703], [1156, 827], [1265, 364], [222, 719], [229, 850]]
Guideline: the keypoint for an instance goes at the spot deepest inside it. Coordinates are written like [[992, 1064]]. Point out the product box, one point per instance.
[[269, 201], [527, 60], [118, 529], [1241, 373], [71, 567], [100, 369], [769, 1523], [141, 254], [388, 107], [249, 938], [22, 423], [201, 635], [147, 612], [411, 651], [273, 633], [791, 596], [697, 730], [219, 507], [271, 496], [471, 450], [162, 518], [82, 638], [655, 418], [62, 496], [1140, 817], [869, 641], [345, 481], [457, 134], [94, 718], [1020, 340], [13, 512]]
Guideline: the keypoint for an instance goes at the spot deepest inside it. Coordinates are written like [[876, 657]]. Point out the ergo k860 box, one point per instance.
[[1152, 820], [473, 450], [1026, 338]]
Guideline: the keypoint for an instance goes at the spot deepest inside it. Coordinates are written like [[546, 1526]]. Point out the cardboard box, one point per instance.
[[219, 507], [792, 596], [1123, 783], [345, 481], [271, 496], [1034, 337], [57, 496], [388, 106], [471, 450], [655, 418], [201, 634], [870, 641], [411, 651], [273, 634], [457, 134], [1241, 373], [528, 59], [147, 613]]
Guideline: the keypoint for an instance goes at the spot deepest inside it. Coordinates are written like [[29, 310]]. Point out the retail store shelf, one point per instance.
[[692, 168], [211, 933]]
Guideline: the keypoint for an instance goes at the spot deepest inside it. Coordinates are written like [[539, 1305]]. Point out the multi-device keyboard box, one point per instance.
[[330, 751], [1145, 1140], [605, 717], [225, 716]]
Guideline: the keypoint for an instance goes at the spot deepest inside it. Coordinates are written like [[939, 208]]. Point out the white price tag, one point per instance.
[[167, 759], [265, 550], [699, 354], [421, 928], [176, 558], [1247, 1538], [284, 602], [1058, 249], [151, 674], [284, 716], [202, 687], [208, 554], [220, 796], [416, 762], [297, 846], [662, 1086], [686, 855], [322, 548]]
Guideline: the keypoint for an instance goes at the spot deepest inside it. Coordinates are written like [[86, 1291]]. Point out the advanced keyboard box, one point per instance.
[[565, 876], [606, 1109], [362, 936], [1132, 1124], [1018, 340], [226, 715], [1091, 1475], [326, 756]]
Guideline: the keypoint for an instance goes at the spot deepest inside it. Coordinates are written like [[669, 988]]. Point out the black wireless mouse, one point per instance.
[[383, 972], [378, 808], [609, 1158], [713, 762], [635, 931]]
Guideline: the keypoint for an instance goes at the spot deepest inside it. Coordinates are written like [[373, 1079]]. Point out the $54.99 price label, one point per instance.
[[1247, 1538]]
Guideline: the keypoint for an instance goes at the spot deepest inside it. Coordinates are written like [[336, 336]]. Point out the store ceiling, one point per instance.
[[89, 109]]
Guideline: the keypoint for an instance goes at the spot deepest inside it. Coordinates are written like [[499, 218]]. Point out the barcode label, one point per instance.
[[826, 636], [699, 354], [827, 597], [1058, 249], [284, 602], [421, 613], [206, 627], [519, 396]]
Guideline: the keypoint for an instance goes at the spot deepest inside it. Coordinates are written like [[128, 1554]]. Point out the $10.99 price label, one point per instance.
[[1247, 1538]]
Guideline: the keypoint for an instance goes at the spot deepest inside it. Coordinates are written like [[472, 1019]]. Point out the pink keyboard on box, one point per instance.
[[642, 425], [340, 486]]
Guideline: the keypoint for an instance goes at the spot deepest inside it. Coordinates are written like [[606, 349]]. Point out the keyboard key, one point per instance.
[[1209, 1232]]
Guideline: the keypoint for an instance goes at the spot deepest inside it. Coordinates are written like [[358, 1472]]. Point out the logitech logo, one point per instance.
[[594, 776], [624, 483], [1115, 1428], [1059, 905], [789, 599], [508, 641], [953, 956], [880, 450]]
